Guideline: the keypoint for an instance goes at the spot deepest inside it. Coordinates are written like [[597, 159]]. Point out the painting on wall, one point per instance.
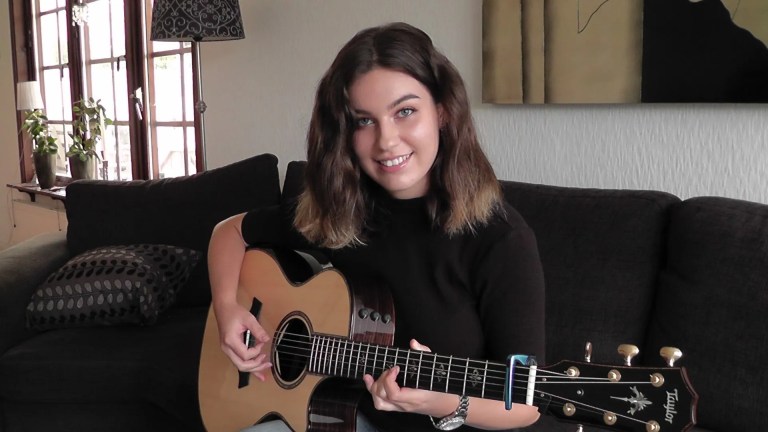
[[625, 51]]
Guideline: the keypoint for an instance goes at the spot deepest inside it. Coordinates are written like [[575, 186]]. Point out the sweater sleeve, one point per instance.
[[511, 298]]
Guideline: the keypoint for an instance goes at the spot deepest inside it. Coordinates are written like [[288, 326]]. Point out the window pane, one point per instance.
[[118, 28], [57, 131], [164, 46], [189, 99], [63, 53], [46, 5], [117, 153], [124, 170], [58, 103], [121, 95], [49, 39], [101, 86], [98, 30], [170, 151], [52, 93], [167, 88], [192, 160], [101, 29]]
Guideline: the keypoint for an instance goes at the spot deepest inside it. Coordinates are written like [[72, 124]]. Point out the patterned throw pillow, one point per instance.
[[111, 285]]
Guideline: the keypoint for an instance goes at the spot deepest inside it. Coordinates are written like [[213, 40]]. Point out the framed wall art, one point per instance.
[[625, 51]]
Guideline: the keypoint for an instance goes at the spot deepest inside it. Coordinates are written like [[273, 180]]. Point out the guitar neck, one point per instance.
[[340, 357]]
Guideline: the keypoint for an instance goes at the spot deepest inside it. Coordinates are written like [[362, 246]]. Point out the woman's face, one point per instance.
[[397, 131]]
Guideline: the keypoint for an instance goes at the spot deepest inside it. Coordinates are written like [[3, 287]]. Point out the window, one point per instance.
[[100, 48]]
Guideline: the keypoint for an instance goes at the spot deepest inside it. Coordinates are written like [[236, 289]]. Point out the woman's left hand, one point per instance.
[[389, 396]]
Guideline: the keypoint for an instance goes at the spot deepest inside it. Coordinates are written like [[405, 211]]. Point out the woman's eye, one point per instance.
[[405, 112], [363, 122]]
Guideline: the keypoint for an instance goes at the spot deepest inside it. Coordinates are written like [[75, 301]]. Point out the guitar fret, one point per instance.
[[397, 354], [384, 360], [432, 378], [357, 360], [464, 384], [405, 369], [365, 366], [344, 359], [418, 369], [336, 346], [485, 375], [448, 375], [317, 349], [325, 355], [375, 357], [311, 352]]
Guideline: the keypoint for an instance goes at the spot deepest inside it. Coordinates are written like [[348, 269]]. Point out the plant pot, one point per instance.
[[82, 170], [45, 168]]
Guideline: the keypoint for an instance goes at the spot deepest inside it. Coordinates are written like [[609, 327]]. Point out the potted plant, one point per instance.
[[44, 147], [90, 122]]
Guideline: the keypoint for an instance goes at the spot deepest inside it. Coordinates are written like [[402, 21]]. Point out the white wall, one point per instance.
[[260, 90], [9, 147]]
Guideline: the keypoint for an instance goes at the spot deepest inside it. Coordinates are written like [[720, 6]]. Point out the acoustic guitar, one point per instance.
[[327, 332]]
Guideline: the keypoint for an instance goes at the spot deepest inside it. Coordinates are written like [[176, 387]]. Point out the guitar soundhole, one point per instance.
[[291, 351]]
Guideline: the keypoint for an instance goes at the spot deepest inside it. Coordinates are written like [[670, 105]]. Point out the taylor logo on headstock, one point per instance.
[[670, 407], [638, 402]]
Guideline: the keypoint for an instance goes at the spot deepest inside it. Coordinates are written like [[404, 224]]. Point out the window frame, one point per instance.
[[143, 148]]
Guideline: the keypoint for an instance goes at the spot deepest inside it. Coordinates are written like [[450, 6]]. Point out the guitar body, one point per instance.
[[324, 304]]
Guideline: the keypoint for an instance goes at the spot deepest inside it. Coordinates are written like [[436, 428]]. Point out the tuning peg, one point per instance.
[[579, 428], [671, 355], [588, 352], [628, 352]]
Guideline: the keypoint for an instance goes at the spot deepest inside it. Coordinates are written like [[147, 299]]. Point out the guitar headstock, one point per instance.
[[631, 398]]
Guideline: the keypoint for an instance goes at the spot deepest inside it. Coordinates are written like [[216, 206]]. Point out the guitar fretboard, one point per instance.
[[339, 357]]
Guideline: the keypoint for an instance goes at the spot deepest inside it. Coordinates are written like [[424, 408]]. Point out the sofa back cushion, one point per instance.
[[179, 211], [601, 251], [712, 304]]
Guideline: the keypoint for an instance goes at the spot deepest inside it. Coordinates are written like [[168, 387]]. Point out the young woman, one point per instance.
[[397, 188]]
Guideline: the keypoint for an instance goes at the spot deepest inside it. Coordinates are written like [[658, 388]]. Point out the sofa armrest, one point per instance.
[[22, 268]]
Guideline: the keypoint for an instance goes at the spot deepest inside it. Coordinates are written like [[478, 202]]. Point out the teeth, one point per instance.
[[395, 161]]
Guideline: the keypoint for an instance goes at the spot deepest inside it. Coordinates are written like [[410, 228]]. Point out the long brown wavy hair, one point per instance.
[[336, 203]]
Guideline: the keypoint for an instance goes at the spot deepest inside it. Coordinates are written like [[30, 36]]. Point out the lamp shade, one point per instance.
[[196, 20], [28, 96]]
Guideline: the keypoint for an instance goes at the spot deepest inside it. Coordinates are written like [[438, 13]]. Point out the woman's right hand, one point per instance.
[[233, 322]]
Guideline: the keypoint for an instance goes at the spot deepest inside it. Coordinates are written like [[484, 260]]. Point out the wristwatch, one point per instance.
[[456, 419]]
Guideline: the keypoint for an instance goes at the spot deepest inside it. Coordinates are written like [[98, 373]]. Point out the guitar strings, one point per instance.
[[334, 353], [345, 355]]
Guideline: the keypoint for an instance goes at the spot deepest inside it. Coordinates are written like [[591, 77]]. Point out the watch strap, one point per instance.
[[455, 419]]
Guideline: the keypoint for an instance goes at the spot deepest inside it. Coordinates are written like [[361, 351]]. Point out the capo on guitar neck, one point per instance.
[[509, 384]]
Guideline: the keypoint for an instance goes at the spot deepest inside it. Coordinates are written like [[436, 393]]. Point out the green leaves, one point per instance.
[[88, 127], [36, 124]]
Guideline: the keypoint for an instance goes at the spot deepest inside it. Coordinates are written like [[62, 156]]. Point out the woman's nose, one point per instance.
[[388, 135]]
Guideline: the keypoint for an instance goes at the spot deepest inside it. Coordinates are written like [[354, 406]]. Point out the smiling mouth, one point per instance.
[[396, 161]]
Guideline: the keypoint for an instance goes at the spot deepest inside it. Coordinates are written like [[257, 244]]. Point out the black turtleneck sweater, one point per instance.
[[478, 295]]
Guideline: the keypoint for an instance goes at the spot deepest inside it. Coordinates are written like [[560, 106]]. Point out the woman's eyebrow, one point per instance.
[[397, 102], [403, 99]]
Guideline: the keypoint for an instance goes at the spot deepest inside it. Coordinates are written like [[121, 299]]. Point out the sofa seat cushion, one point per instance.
[[124, 364], [93, 417], [601, 251], [712, 303]]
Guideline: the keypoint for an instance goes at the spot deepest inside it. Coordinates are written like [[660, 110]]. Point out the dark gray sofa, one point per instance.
[[621, 266]]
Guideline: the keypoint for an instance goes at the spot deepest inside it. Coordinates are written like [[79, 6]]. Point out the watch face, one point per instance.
[[451, 423]]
